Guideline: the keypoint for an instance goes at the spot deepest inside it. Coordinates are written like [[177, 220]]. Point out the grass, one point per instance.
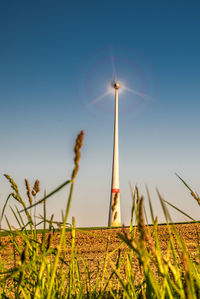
[[34, 268]]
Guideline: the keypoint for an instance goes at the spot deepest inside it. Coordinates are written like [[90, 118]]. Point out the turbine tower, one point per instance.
[[114, 219]]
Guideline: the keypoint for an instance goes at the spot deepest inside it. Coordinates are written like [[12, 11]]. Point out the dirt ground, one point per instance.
[[92, 245]]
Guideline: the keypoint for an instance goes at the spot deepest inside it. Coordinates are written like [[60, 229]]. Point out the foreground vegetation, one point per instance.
[[35, 268]]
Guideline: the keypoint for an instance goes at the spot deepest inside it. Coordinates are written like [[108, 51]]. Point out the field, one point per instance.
[[60, 261], [100, 262], [92, 246]]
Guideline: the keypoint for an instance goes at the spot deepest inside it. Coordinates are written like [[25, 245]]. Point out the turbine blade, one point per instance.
[[142, 95], [114, 72], [93, 102], [112, 60]]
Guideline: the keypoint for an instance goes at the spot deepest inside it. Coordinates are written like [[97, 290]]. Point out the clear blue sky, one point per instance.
[[56, 57]]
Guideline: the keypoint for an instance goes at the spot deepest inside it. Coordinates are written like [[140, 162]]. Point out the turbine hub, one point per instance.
[[116, 85]]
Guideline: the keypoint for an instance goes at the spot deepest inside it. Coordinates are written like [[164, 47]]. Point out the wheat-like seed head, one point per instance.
[[150, 242], [114, 201], [13, 184], [115, 216], [141, 224], [28, 191], [78, 145], [36, 188], [49, 240]]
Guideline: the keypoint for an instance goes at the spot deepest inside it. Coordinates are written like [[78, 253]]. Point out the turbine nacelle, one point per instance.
[[116, 85]]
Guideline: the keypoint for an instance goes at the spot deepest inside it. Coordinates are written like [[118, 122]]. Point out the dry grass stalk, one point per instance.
[[49, 238], [145, 236], [78, 145], [13, 184], [150, 242], [28, 192], [114, 202], [140, 216], [36, 188]]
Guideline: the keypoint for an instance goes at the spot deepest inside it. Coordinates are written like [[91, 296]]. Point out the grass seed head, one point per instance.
[[77, 147], [49, 240], [13, 184], [141, 224], [150, 242], [36, 188], [17, 197], [115, 216], [142, 228], [114, 201], [28, 191]]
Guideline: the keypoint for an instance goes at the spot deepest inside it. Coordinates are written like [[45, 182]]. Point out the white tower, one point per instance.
[[114, 219]]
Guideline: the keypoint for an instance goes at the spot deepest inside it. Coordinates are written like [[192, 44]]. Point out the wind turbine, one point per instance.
[[114, 219]]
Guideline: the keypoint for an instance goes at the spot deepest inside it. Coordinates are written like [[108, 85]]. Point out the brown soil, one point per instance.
[[92, 245]]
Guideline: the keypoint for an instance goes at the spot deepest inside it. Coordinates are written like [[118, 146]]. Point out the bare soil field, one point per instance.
[[92, 246]]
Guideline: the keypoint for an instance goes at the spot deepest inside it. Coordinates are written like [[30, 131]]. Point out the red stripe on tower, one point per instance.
[[115, 191]]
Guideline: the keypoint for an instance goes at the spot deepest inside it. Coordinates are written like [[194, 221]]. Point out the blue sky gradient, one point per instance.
[[57, 57]]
